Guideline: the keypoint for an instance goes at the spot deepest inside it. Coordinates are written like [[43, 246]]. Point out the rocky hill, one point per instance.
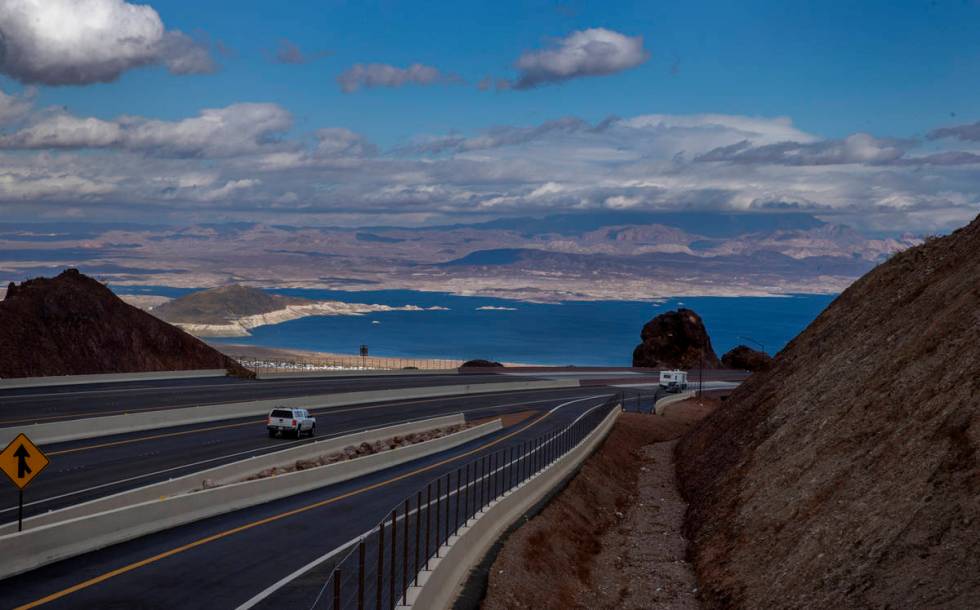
[[73, 325], [745, 358], [847, 476], [675, 339], [223, 305]]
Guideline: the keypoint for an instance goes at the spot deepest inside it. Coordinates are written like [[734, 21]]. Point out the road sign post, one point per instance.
[[22, 461]]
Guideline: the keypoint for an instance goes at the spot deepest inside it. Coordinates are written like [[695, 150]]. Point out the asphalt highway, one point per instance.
[[226, 561], [86, 469], [46, 404]]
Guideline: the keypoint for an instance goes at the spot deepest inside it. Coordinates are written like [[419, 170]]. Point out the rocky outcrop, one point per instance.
[[675, 339], [745, 358], [480, 364], [73, 325], [847, 476]]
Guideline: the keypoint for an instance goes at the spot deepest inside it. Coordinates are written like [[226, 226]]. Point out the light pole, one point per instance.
[[751, 340], [701, 377]]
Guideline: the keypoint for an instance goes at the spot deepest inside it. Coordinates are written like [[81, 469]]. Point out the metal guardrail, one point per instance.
[[383, 564]]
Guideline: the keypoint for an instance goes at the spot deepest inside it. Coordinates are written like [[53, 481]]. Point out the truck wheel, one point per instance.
[[272, 434], [313, 431]]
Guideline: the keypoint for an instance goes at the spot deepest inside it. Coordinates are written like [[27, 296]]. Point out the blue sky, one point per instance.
[[893, 70]]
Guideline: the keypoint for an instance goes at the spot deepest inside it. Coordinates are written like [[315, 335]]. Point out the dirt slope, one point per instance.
[[847, 475], [73, 325]]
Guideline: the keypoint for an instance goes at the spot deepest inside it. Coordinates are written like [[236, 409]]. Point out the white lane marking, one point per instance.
[[276, 447], [265, 593], [70, 416]]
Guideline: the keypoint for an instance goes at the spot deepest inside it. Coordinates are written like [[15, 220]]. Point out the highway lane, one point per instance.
[[224, 561], [87, 469], [31, 405]]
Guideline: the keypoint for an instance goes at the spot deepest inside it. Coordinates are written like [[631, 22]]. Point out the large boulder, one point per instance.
[[676, 339], [480, 364], [745, 358]]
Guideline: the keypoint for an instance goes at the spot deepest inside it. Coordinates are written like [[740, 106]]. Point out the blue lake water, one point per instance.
[[573, 332]]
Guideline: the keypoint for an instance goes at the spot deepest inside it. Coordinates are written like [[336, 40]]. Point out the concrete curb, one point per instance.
[[24, 551], [440, 585], [228, 473], [669, 400], [40, 382], [75, 429]]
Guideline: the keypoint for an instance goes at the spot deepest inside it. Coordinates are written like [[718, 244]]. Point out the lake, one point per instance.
[[596, 333]]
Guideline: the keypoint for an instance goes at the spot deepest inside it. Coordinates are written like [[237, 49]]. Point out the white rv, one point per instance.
[[673, 381]]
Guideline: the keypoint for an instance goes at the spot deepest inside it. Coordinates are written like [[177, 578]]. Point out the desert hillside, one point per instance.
[[73, 325], [223, 305], [847, 475]]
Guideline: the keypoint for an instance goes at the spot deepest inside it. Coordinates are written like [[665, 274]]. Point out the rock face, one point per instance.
[[675, 339], [847, 476], [73, 325], [745, 358]]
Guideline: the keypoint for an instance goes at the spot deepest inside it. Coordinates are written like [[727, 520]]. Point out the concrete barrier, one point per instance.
[[669, 400], [299, 374], [56, 380], [75, 429], [440, 585], [230, 473], [30, 549]]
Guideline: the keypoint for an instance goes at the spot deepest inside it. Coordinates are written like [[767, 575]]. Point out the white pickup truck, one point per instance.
[[283, 420]]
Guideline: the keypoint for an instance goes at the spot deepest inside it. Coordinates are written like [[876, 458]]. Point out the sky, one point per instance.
[[348, 113]]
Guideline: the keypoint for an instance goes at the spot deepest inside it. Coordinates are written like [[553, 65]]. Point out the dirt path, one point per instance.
[[611, 538]]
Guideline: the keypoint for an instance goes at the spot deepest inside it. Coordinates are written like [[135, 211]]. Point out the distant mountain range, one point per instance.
[[601, 255]]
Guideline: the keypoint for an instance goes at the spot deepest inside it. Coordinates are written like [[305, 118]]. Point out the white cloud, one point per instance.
[[15, 107], [592, 52], [383, 75], [78, 42], [216, 132]]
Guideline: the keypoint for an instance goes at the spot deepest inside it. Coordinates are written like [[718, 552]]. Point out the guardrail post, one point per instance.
[[448, 501], [466, 491], [379, 578], [360, 575], [428, 522], [438, 506], [418, 533], [407, 512], [394, 558], [459, 473]]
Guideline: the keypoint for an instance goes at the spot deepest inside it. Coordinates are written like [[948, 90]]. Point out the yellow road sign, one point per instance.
[[22, 461]]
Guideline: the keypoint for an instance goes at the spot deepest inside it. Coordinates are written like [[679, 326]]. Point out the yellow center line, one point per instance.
[[241, 528]]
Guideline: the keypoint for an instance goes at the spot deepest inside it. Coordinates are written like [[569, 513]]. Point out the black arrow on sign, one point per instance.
[[22, 468]]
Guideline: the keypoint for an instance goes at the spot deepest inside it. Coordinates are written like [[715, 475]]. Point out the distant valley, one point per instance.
[[597, 256]]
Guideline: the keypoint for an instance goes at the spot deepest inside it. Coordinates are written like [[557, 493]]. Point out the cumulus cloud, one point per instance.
[[650, 162], [592, 52], [78, 42], [15, 107], [856, 148], [289, 53], [969, 132], [368, 76], [218, 132]]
